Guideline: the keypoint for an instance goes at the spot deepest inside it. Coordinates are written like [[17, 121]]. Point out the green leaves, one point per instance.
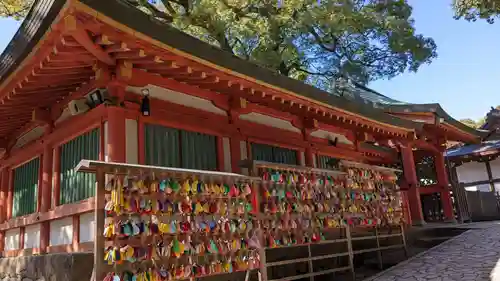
[[472, 123], [473, 10], [309, 40], [313, 41], [14, 8]]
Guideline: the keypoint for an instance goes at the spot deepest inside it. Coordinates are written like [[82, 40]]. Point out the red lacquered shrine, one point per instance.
[[100, 80]]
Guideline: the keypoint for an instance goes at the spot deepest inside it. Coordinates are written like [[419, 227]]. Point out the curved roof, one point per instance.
[[395, 106], [34, 26], [44, 13], [484, 148]]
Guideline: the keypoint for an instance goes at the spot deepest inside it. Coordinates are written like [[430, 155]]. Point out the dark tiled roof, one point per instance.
[[396, 106], [44, 11], [474, 149]]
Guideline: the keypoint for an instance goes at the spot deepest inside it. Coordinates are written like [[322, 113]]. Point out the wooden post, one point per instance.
[[2, 241], [76, 233], [22, 233], [56, 176], [47, 163], [379, 252], [235, 154], [220, 154], [410, 173], [4, 190], [490, 175], [309, 157], [403, 237], [10, 194], [349, 249], [444, 183], [116, 135], [46, 196], [99, 226]]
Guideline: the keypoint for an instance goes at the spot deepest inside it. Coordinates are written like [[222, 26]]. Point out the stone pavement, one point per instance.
[[471, 256]]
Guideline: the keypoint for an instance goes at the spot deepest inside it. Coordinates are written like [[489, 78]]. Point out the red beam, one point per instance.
[[421, 144], [37, 57], [83, 38], [56, 80], [63, 65], [141, 78]]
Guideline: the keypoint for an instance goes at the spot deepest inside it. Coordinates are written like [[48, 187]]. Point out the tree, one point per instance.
[[473, 124], [315, 41], [473, 10], [14, 8]]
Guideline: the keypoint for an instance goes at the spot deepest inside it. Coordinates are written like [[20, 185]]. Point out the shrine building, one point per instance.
[[101, 80]]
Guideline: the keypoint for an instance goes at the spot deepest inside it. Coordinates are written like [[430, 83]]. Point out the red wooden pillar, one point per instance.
[[56, 176], [443, 182], [10, 194], [4, 186], [40, 185], [47, 164], [413, 194], [220, 154], [116, 145], [4, 190], [47, 174], [235, 154], [309, 157]]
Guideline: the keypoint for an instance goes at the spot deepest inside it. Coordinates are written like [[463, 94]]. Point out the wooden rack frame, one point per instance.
[[381, 169], [101, 169], [350, 253], [253, 166]]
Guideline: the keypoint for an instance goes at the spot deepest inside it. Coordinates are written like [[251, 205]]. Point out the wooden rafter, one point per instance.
[[83, 38]]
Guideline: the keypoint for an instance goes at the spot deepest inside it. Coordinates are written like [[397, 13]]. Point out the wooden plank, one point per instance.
[[379, 253], [254, 164], [99, 226], [285, 262], [371, 167], [349, 248], [91, 166], [323, 272]]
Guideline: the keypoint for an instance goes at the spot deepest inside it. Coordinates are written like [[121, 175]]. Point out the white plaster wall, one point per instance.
[[480, 187], [243, 155], [32, 236], [61, 232], [87, 227], [315, 164], [472, 172], [226, 147], [33, 134], [329, 135], [269, 121], [131, 141], [495, 168], [179, 98], [12, 239]]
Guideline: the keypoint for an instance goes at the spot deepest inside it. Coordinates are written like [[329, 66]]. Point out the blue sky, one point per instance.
[[462, 79]]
